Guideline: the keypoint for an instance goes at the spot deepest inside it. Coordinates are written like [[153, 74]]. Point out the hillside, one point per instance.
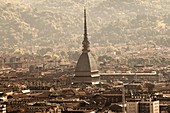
[[56, 24]]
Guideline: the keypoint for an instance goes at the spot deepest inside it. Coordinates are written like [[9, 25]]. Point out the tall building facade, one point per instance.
[[132, 107], [148, 107], [143, 107], [86, 71]]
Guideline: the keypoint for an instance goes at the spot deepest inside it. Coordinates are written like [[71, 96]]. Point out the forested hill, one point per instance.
[[53, 23]]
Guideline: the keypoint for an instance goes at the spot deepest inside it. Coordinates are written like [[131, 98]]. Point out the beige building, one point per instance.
[[132, 107]]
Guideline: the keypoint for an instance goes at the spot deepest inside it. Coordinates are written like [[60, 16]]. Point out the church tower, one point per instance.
[[86, 71]]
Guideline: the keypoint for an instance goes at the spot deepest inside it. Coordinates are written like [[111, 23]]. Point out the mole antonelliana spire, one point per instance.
[[86, 71], [85, 42]]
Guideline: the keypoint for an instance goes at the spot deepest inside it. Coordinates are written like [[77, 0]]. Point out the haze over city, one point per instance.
[[86, 56]]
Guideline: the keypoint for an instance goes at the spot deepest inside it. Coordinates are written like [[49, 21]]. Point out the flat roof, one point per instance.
[[127, 74]]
